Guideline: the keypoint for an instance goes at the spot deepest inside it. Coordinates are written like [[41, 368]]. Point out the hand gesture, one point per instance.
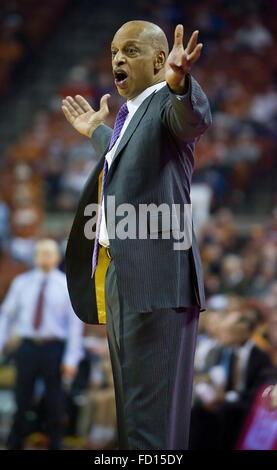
[[82, 116], [180, 60]]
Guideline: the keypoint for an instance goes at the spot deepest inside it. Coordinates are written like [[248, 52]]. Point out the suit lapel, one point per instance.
[[93, 178], [129, 132]]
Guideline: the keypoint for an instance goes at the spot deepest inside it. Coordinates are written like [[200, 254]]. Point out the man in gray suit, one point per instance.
[[148, 292]]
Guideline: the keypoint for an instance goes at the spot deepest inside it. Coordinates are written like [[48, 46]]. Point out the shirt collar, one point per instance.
[[248, 345], [41, 275], [245, 348], [136, 102]]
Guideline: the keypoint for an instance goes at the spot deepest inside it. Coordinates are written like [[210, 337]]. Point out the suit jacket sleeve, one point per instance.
[[187, 116], [101, 138]]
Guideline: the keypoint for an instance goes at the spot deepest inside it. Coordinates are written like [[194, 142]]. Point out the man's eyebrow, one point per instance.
[[128, 42]]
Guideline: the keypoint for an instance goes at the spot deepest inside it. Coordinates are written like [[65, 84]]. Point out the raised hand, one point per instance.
[[82, 116], [180, 60]]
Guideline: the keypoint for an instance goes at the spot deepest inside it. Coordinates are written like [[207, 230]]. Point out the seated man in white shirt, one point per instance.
[[38, 308], [223, 402]]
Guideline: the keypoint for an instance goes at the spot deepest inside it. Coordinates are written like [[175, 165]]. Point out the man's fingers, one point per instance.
[[178, 35], [75, 105], [67, 114], [192, 42], [83, 102], [194, 56], [189, 59], [104, 103], [70, 108]]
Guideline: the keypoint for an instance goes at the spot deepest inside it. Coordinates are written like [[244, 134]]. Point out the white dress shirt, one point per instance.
[[132, 105], [58, 318], [243, 354]]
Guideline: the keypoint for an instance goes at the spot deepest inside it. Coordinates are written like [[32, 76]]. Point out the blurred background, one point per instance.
[[52, 49]]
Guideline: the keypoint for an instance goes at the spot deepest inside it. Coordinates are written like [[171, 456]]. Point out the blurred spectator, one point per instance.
[[50, 340], [223, 397], [253, 35], [208, 345], [232, 274], [263, 109]]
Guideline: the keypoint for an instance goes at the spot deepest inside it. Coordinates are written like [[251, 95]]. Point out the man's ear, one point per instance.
[[159, 61]]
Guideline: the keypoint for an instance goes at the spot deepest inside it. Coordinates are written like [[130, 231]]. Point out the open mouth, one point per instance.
[[120, 78]]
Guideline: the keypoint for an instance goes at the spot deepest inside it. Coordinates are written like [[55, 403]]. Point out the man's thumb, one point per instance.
[[104, 104]]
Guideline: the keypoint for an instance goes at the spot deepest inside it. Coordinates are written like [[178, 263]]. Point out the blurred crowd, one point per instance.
[[24, 27], [236, 352], [232, 365], [44, 171]]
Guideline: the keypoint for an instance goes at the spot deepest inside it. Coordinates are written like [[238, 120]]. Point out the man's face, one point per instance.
[[133, 59], [46, 258], [233, 331]]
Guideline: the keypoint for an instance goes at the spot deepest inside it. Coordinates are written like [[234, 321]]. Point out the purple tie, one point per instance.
[[119, 121]]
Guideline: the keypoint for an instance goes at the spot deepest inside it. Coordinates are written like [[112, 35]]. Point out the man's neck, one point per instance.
[[148, 86], [45, 272], [159, 78]]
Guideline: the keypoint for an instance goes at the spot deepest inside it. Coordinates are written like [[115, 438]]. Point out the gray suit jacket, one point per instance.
[[152, 164]]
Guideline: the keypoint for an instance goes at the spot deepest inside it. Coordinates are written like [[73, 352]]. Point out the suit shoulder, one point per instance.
[[162, 94], [24, 277], [260, 355], [159, 102], [60, 276], [22, 280]]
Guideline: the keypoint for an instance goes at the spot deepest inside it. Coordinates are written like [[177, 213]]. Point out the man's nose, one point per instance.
[[119, 59]]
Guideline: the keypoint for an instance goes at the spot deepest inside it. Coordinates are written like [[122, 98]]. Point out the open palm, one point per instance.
[[82, 116]]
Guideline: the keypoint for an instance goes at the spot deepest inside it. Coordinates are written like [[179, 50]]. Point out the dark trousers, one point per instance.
[[152, 357], [38, 360]]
